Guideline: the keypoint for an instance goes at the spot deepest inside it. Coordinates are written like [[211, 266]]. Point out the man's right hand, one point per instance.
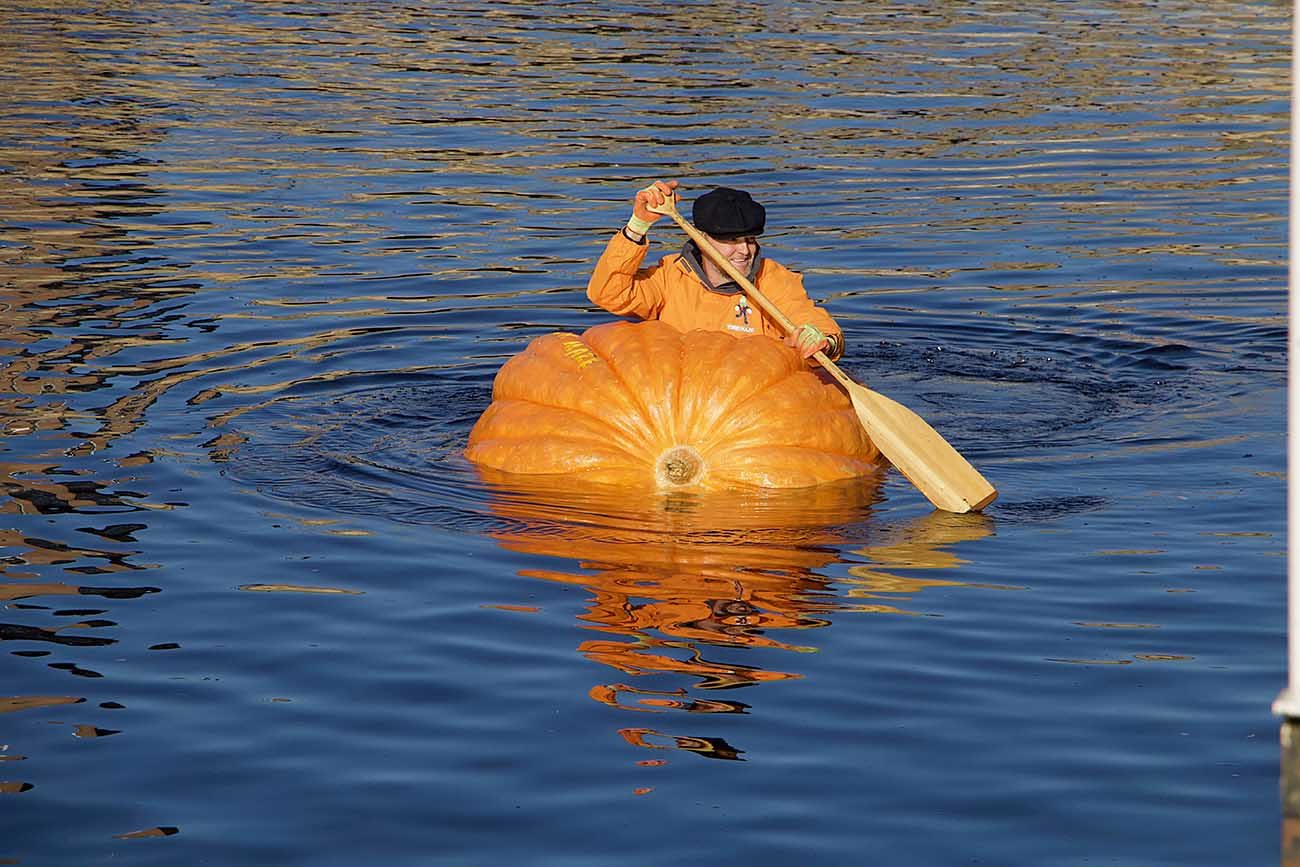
[[652, 196]]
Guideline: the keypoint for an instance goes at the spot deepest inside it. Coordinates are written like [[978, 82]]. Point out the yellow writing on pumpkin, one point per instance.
[[578, 351]]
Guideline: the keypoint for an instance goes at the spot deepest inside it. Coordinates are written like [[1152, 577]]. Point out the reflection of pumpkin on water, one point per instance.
[[714, 570], [677, 581]]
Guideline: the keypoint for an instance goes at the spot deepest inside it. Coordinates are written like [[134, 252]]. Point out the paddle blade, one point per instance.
[[916, 449]]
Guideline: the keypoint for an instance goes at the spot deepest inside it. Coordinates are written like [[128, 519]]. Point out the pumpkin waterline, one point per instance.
[[642, 404]]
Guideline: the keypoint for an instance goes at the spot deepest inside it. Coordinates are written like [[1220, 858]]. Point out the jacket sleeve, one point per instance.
[[791, 297], [620, 285]]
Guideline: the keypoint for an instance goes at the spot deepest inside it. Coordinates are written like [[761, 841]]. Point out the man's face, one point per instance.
[[740, 252]]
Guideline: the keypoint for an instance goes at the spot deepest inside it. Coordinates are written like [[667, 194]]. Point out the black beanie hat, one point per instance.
[[728, 213]]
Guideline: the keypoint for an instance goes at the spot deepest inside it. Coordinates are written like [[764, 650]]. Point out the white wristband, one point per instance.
[[638, 225]]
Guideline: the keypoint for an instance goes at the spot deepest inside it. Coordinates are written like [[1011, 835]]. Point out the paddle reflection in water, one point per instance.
[[684, 584]]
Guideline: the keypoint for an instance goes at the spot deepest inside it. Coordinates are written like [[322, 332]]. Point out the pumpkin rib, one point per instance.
[[829, 429], [634, 435], [779, 466], [609, 441], [569, 438], [724, 419], [838, 432], [643, 416], [742, 447], [677, 390], [734, 399], [769, 448], [561, 462]]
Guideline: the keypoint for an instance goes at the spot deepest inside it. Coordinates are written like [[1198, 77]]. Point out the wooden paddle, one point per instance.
[[916, 449]]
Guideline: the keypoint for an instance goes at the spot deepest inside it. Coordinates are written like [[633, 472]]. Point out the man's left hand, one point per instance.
[[807, 339]]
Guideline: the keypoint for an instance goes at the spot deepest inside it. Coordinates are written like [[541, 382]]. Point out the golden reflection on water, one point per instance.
[[679, 581], [9, 704], [299, 588]]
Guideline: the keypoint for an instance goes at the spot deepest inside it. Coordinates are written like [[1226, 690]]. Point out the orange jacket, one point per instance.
[[673, 292]]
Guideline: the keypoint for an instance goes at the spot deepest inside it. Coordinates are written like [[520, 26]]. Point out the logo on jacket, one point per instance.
[[742, 309]]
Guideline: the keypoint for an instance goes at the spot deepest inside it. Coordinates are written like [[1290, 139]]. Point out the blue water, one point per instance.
[[262, 261]]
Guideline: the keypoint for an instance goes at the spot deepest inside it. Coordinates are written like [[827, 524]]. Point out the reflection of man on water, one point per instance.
[[709, 748]]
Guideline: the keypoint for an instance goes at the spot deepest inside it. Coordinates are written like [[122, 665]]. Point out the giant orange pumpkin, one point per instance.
[[644, 404]]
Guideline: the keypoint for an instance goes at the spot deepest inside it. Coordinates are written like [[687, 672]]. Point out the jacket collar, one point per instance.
[[691, 258]]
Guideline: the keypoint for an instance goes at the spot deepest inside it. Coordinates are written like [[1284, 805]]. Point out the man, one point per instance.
[[688, 291]]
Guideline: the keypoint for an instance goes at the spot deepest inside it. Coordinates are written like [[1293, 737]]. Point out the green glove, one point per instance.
[[808, 339]]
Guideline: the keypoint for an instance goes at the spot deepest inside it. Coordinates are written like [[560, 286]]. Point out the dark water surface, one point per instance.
[[261, 261]]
